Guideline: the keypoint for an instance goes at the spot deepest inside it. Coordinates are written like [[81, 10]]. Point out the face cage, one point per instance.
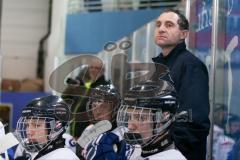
[[96, 110], [31, 135], [159, 121]]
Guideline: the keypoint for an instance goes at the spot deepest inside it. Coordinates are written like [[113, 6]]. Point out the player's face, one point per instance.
[[167, 32], [102, 110], [140, 121], [36, 130]]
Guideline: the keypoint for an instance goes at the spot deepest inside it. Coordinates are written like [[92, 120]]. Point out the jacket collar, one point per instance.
[[174, 53]]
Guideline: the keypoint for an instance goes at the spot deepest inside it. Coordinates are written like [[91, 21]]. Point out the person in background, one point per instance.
[[220, 115], [222, 144], [233, 127], [81, 79], [92, 77], [190, 79]]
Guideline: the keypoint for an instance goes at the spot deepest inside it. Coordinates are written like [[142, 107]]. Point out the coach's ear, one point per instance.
[[184, 34]]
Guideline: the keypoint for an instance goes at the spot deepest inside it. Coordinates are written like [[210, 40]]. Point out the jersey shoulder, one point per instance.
[[168, 155], [60, 154]]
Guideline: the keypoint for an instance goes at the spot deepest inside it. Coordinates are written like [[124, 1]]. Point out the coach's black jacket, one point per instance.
[[190, 78]]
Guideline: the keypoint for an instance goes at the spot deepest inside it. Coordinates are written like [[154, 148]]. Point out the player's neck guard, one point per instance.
[[58, 143], [161, 144]]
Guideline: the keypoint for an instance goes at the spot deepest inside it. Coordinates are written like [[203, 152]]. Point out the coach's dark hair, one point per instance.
[[182, 22]]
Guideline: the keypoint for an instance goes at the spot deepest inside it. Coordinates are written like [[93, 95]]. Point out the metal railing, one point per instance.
[[75, 6]]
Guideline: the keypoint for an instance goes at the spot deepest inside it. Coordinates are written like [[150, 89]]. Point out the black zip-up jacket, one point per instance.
[[190, 77]]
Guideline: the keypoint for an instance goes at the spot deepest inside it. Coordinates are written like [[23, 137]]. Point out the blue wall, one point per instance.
[[18, 101], [89, 32]]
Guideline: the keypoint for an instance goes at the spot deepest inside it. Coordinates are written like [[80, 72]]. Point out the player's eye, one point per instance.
[[144, 117]]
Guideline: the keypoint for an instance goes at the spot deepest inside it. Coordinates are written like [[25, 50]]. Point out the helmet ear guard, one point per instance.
[[56, 129], [62, 112]]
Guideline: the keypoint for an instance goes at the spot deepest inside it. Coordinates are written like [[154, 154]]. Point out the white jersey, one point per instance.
[[171, 154], [222, 144], [19, 151], [60, 154]]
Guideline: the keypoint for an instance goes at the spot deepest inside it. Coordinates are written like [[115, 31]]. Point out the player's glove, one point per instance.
[[110, 146], [69, 142]]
